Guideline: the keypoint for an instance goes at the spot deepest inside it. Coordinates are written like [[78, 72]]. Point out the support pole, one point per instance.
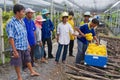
[[51, 10], [1, 39]]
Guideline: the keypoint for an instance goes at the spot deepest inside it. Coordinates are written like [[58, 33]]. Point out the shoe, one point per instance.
[[71, 55], [56, 62], [35, 65], [25, 69], [63, 62], [50, 57], [44, 61]]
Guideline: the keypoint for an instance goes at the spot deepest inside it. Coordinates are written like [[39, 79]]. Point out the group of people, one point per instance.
[[28, 37]]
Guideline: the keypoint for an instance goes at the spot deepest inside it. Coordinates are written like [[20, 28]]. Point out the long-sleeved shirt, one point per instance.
[[47, 27], [38, 34]]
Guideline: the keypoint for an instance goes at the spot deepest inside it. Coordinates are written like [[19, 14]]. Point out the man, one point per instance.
[[47, 28], [82, 41], [71, 44], [86, 18], [63, 37], [30, 27], [17, 35]]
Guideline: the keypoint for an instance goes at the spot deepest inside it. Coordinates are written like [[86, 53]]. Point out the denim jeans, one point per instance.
[[60, 46], [81, 51], [39, 52]]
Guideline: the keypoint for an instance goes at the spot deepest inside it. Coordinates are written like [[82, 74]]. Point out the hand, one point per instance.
[[75, 34], [83, 35], [57, 39], [97, 43], [40, 44], [29, 48], [79, 36], [15, 54]]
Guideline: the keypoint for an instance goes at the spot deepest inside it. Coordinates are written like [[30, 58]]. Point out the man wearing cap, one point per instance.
[[86, 18], [47, 27], [63, 38], [30, 26]]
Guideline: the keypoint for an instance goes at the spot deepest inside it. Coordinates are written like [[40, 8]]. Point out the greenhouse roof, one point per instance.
[[79, 5]]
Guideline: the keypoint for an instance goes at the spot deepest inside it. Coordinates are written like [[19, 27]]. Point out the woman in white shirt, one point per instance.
[[39, 50], [63, 37]]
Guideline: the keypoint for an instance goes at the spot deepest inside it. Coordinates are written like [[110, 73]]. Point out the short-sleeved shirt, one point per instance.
[[16, 29], [85, 29], [30, 26], [63, 31]]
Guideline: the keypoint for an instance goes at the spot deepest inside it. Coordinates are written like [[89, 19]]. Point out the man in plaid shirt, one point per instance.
[[17, 35]]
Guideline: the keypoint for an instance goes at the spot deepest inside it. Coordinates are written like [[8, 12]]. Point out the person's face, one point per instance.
[[40, 22], [93, 25], [65, 19], [21, 14], [47, 15], [29, 15], [71, 17], [86, 17]]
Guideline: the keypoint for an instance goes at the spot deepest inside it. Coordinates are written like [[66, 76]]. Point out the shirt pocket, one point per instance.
[[67, 30]]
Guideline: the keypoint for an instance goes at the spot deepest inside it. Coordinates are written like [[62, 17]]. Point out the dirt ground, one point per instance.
[[49, 71]]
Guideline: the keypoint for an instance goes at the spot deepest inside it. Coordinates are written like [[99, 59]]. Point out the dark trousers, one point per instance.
[[32, 54], [49, 44], [59, 52], [71, 45]]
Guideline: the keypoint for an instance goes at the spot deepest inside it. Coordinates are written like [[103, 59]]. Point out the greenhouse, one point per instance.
[[59, 39]]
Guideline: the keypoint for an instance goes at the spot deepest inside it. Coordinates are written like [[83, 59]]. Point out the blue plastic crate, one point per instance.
[[100, 61]]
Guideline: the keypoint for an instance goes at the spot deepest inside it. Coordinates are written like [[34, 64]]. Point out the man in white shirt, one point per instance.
[[63, 37]]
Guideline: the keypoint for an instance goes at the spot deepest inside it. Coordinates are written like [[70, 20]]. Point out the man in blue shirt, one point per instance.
[[17, 35], [30, 27], [82, 41], [47, 27]]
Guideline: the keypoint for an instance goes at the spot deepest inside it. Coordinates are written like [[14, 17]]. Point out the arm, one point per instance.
[[71, 30], [51, 25], [39, 36], [77, 29], [15, 53], [34, 29], [10, 32], [57, 37], [58, 32], [95, 38]]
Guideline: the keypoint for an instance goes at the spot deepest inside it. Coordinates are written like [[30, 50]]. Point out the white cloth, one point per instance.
[[63, 30], [38, 34]]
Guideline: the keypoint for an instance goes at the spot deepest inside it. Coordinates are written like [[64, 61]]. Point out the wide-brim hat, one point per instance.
[[39, 18]]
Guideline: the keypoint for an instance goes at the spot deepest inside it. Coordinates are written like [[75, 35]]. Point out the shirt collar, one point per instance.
[[27, 19], [15, 19], [65, 23], [89, 26]]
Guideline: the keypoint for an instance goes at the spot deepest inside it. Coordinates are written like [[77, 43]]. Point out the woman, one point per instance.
[[39, 51]]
